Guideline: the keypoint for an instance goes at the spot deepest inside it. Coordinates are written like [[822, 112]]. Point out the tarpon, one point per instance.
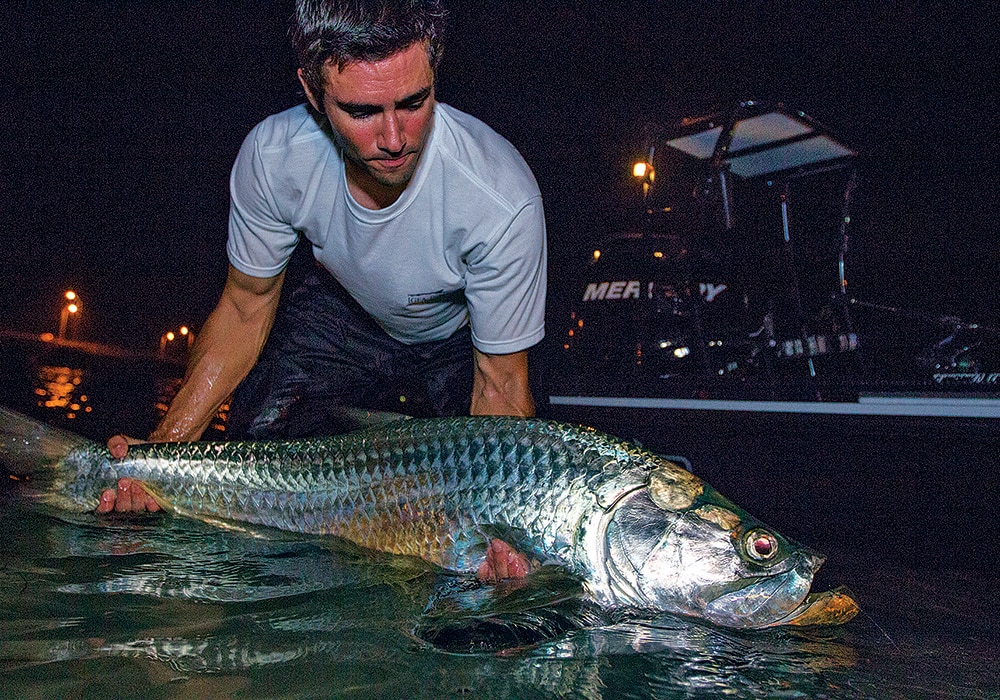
[[637, 529]]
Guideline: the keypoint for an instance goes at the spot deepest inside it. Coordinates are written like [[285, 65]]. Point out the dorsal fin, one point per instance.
[[349, 418]]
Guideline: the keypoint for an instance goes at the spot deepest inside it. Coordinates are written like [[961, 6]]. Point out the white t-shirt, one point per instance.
[[463, 244]]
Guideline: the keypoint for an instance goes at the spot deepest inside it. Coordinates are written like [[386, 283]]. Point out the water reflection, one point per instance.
[[64, 393], [59, 390]]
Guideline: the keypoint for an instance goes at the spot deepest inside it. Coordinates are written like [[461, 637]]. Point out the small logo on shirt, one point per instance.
[[441, 296]]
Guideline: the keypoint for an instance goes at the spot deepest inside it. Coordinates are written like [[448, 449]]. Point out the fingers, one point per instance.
[[151, 505], [123, 499], [107, 502], [118, 445], [130, 496], [502, 562]]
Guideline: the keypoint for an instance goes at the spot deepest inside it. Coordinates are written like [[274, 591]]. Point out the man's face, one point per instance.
[[382, 113]]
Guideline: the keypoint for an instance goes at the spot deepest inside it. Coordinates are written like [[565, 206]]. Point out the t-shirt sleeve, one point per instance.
[[260, 243], [505, 285]]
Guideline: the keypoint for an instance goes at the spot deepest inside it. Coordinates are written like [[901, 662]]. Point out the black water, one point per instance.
[[905, 510]]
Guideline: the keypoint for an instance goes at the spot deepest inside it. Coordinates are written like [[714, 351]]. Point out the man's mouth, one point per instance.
[[392, 163]]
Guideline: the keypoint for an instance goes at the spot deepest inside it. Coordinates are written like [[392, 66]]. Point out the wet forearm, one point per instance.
[[503, 404], [500, 386], [223, 354], [221, 357]]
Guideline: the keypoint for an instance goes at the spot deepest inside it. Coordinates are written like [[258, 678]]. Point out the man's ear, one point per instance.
[[309, 94]]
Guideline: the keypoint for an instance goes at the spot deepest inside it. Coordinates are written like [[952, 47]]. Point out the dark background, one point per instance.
[[119, 122]]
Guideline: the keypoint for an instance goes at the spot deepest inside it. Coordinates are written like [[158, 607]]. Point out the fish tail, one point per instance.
[[29, 447]]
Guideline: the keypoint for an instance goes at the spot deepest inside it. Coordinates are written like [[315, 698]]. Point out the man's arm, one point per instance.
[[500, 385], [224, 352]]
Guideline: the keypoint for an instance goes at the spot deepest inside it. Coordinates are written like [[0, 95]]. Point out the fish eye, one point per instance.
[[760, 545]]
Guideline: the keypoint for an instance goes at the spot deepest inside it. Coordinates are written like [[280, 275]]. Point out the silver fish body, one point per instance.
[[639, 530]]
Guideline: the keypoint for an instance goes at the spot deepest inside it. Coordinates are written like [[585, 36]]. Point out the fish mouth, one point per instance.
[[829, 608], [767, 600]]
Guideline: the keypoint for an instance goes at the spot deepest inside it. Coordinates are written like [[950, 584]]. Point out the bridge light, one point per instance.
[[643, 171]]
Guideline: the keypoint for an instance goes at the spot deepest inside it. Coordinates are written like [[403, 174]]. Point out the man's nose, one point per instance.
[[391, 138]]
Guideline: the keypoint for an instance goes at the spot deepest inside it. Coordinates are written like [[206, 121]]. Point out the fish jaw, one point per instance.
[[835, 607], [766, 601]]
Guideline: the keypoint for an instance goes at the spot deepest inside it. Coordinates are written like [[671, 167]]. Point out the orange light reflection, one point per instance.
[[56, 388]]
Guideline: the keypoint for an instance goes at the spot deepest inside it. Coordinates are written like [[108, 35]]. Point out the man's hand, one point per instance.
[[502, 562], [130, 496], [222, 355]]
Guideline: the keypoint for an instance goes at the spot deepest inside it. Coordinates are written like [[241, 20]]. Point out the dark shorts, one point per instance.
[[325, 352]]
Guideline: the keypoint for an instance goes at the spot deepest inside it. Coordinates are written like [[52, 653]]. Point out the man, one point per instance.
[[428, 232]]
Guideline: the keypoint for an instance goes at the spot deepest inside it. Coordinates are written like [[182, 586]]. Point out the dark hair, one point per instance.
[[344, 31]]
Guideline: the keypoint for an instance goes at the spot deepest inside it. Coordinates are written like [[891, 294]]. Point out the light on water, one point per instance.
[[166, 607], [58, 389]]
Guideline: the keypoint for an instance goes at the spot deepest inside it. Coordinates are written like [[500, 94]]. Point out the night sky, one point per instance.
[[119, 122]]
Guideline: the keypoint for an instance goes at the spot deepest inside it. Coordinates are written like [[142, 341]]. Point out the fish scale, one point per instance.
[[480, 467]]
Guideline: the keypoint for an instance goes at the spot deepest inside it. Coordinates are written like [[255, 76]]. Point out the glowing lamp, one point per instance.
[[643, 171]]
